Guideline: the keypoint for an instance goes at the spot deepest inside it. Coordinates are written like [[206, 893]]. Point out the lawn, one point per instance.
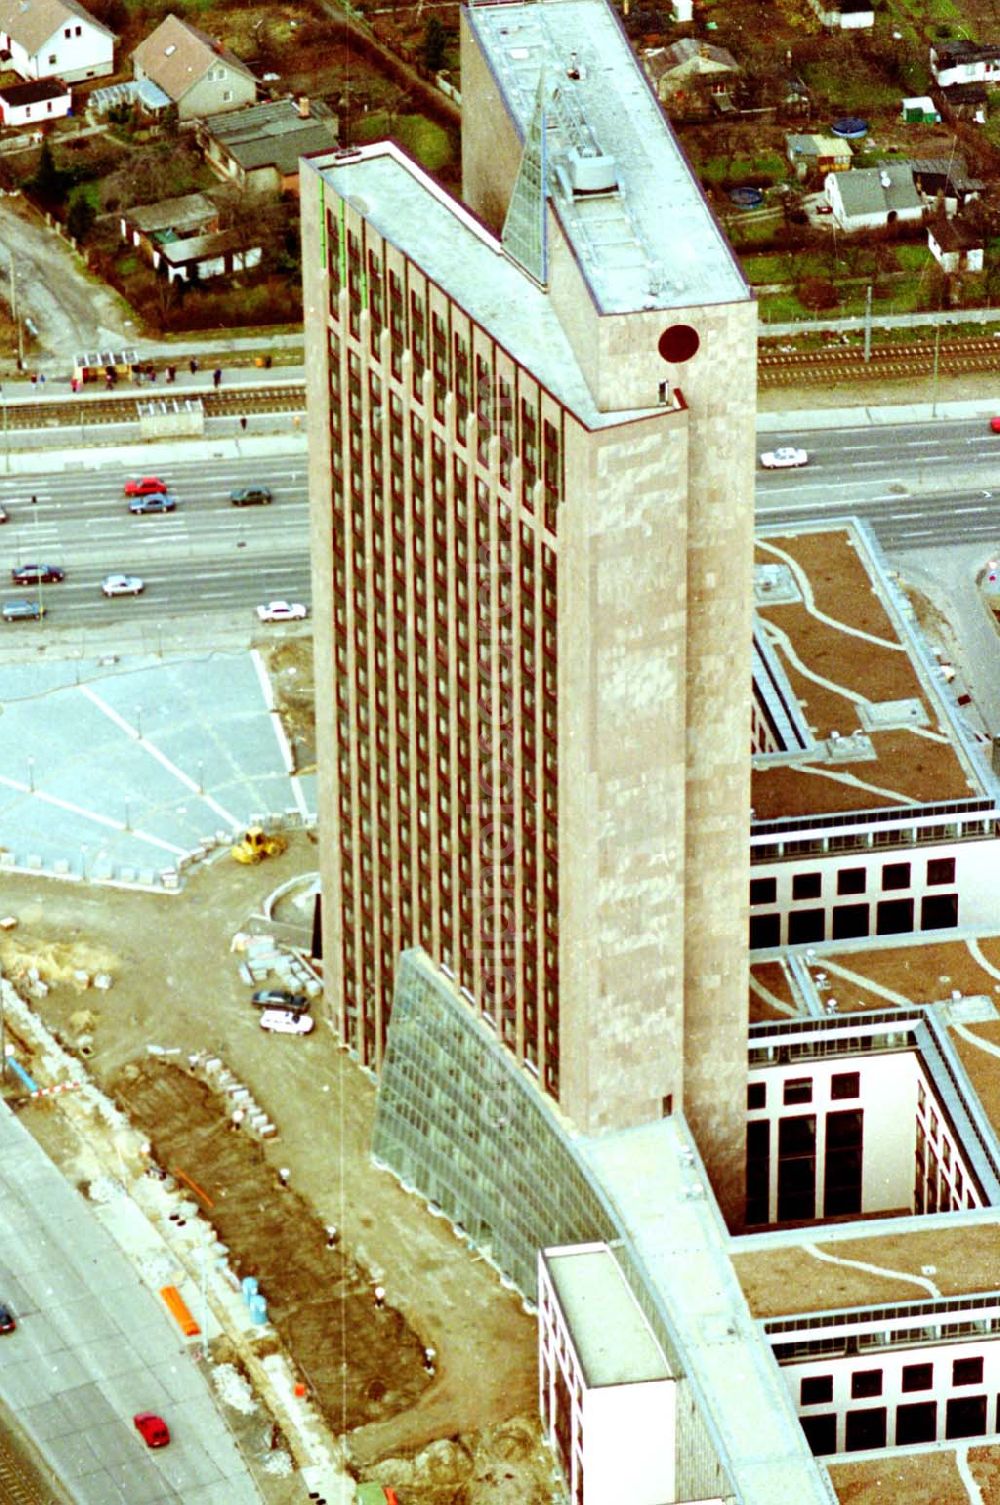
[[424, 139], [769, 167]]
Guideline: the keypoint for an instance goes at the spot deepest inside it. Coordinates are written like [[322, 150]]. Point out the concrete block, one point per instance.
[[7, 859], [240, 1094], [268, 1132], [213, 1064], [246, 975], [147, 877], [127, 874], [170, 879], [33, 861], [60, 866]]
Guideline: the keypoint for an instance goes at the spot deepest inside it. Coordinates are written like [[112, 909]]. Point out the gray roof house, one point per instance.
[[872, 197], [195, 71], [259, 148]]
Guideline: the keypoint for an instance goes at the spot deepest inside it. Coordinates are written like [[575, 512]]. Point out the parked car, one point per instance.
[[7, 1323], [144, 486], [785, 458], [281, 998], [4, 515], [282, 611], [152, 1429], [283, 1023], [22, 611], [251, 496], [995, 425], [32, 574], [122, 585], [157, 501]]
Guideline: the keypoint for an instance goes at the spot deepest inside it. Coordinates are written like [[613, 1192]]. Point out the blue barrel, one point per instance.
[[249, 1286], [258, 1310]]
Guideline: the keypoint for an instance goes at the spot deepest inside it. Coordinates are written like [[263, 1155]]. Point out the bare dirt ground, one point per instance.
[[176, 985]]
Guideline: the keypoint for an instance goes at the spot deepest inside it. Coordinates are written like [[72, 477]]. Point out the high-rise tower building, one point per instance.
[[531, 425]]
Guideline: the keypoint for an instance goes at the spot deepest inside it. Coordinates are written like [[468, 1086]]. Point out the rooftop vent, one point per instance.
[[573, 67], [598, 174], [885, 180]]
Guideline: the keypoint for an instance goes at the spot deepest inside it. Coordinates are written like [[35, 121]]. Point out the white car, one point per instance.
[[282, 611], [284, 1023], [122, 585], [785, 458]]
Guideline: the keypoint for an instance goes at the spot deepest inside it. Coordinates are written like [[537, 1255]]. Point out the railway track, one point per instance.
[[20, 1483], [846, 363], [233, 402]]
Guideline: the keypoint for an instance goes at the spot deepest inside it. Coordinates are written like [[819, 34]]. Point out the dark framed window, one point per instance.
[[850, 921], [940, 870], [852, 880], [816, 1389], [763, 890], [765, 931], [798, 1089], [896, 875], [966, 1416], [865, 1429], [821, 1433], [807, 885], [757, 1095], [842, 1184], [845, 1084], [939, 912], [758, 1171], [967, 1371], [806, 925], [916, 1423], [894, 917], [796, 1168], [865, 1383]]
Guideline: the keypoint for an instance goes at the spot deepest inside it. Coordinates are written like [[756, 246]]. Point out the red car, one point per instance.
[[152, 1429], [995, 425], [144, 486]]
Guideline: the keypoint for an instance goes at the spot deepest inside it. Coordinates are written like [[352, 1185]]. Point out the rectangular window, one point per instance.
[[757, 1095], [845, 1084], [461, 386], [798, 1090], [796, 1168], [865, 1429], [866, 1383], [765, 931], [916, 1423], [850, 921], [967, 1371], [816, 1390], [806, 926], [763, 890], [758, 1171], [917, 1377], [896, 875], [807, 885], [940, 870], [851, 880], [895, 916]]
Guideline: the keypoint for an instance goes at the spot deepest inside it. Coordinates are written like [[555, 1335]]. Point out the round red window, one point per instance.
[[678, 343]]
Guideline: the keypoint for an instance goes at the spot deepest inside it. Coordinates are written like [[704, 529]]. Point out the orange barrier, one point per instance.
[[180, 1311]]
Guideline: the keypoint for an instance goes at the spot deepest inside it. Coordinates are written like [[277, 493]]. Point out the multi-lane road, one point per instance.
[[206, 556], [918, 485]]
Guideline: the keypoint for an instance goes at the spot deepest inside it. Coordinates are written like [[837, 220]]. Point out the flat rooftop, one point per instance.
[[654, 243], [410, 211], [274, 134], [845, 653], [612, 1338]]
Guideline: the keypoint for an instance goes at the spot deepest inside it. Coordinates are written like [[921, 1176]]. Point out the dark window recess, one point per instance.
[[821, 1433], [940, 870], [763, 890], [816, 1389], [842, 1181], [917, 1377], [896, 875], [852, 880], [865, 1429], [939, 912], [850, 921], [765, 931], [845, 1084], [966, 1417], [798, 1089], [916, 1423], [758, 1171], [806, 925], [895, 917], [796, 1168], [865, 1383], [757, 1095], [807, 885], [967, 1371]]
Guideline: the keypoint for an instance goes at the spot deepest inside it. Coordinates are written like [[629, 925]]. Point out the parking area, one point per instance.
[[120, 769]]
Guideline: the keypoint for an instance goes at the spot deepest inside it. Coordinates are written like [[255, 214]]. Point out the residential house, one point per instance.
[[151, 226], [920, 110], [845, 15], [944, 182], [871, 198], [54, 39], [259, 148], [691, 76], [195, 71], [33, 103], [202, 256], [965, 62], [955, 246], [818, 154]]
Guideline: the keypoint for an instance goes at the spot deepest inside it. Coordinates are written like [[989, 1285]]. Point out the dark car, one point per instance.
[[152, 1429], [251, 496], [158, 501], [7, 1323], [22, 611], [281, 998], [33, 574]]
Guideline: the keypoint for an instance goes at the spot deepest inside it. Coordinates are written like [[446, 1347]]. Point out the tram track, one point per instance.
[[955, 357], [114, 407]]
